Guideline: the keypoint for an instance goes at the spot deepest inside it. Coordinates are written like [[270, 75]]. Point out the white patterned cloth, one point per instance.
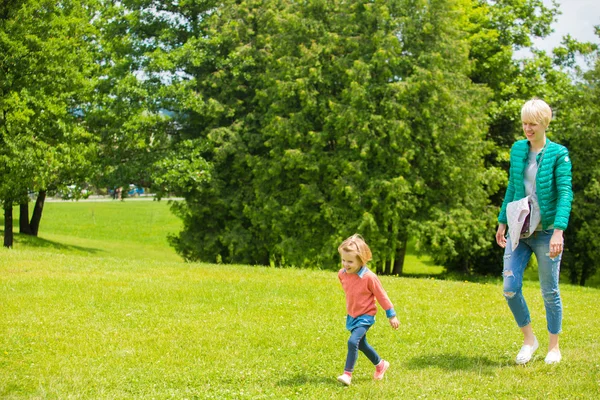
[[516, 213]]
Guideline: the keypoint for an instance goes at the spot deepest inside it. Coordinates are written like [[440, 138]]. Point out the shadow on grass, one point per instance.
[[454, 362], [304, 379], [429, 263], [33, 241], [421, 276]]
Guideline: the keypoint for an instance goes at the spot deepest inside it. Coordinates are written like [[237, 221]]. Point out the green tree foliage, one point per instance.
[[44, 71], [125, 112], [295, 124], [577, 127], [495, 31], [323, 119]]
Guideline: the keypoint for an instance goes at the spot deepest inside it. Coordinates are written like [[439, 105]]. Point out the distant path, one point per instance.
[[109, 198]]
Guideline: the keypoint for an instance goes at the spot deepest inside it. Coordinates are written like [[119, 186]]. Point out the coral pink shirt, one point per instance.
[[361, 291]]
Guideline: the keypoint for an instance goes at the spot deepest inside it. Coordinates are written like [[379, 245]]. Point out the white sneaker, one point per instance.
[[526, 352], [345, 379], [553, 357]]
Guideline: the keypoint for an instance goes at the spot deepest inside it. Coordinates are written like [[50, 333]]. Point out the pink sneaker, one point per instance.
[[380, 370]]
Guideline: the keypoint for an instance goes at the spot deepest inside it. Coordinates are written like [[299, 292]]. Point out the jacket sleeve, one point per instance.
[[564, 188], [510, 192]]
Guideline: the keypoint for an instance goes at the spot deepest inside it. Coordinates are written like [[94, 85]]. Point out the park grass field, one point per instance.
[[132, 229], [101, 308]]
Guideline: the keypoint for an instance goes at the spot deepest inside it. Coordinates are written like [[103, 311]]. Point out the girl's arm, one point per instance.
[[383, 299]]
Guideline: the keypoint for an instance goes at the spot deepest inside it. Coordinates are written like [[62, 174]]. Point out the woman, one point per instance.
[[540, 169]]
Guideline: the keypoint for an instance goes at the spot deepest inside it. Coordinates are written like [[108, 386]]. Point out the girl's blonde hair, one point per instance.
[[357, 245], [538, 111]]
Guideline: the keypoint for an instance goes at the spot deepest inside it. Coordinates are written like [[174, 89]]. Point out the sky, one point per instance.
[[578, 19]]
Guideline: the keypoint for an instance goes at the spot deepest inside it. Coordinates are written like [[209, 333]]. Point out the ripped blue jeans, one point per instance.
[[548, 271]]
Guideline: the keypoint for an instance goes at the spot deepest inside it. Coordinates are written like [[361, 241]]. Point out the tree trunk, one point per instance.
[[8, 225], [37, 213], [24, 226], [398, 267], [585, 273]]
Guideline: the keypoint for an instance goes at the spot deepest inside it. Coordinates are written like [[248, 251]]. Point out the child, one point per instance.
[[362, 287]]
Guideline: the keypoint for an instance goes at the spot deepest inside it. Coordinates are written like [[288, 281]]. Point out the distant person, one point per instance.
[[539, 188], [362, 287]]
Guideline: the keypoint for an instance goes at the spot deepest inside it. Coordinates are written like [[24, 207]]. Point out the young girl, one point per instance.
[[362, 287]]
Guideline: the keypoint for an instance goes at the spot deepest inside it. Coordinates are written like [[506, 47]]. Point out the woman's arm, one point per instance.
[[510, 193], [564, 188]]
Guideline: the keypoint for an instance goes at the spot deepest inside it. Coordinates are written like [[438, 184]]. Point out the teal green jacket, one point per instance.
[[553, 183]]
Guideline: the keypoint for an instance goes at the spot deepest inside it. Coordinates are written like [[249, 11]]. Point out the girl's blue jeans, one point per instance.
[[358, 341], [548, 271]]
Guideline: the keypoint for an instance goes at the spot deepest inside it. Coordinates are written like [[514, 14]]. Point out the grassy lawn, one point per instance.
[[125, 229], [99, 307]]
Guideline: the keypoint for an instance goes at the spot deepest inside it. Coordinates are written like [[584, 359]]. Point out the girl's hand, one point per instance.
[[500, 238], [556, 243], [394, 322]]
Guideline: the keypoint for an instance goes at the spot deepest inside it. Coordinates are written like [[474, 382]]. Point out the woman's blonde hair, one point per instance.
[[357, 245], [538, 111]]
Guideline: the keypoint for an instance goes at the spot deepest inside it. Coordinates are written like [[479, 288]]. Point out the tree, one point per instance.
[[43, 71], [495, 31], [125, 113], [294, 125], [577, 127], [322, 119]]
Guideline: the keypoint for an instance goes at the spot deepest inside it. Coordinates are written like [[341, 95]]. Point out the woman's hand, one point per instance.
[[556, 243], [500, 238], [394, 322]]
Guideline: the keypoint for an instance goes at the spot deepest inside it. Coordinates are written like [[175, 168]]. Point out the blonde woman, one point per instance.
[[540, 169]]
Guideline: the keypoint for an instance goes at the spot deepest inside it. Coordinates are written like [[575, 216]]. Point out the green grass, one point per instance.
[[125, 229], [114, 324]]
